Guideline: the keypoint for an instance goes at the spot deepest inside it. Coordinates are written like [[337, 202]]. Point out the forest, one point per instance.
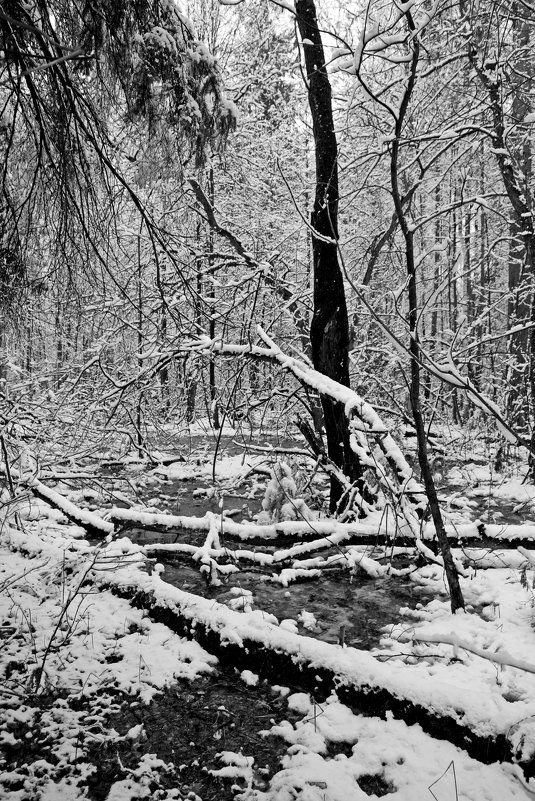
[[267, 400]]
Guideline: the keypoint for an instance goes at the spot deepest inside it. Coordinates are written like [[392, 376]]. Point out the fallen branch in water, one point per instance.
[[358, 532]]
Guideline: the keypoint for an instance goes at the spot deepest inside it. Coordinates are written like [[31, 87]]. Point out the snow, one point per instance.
[[334, 532], [286, 4], [226, 467], [407, 761], [483, 709], [498, 655], [307, 620], [251, 679], [104, 646], [476, 668], [236, 766], [139, 782], [405, 758], [56, 499]]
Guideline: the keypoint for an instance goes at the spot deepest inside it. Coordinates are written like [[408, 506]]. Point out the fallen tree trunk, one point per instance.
[[319, 534], [365, 424], [325, 531], [93, 523], [305, 529], [367, 686]]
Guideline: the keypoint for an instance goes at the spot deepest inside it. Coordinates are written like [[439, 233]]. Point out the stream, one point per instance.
[[189, 724], [345, 608]]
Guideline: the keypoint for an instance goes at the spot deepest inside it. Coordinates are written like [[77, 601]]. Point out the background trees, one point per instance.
[[127, 230]]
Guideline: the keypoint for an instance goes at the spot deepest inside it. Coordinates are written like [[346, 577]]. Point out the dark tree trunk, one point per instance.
[[329, 331]]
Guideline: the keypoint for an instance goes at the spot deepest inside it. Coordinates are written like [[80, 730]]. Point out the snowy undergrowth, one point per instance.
[[89, 660], [116, 652], [111, 652]]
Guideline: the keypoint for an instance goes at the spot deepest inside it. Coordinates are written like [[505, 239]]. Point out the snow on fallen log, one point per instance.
[[480, 558], [297, 571], [156, 520], [93, 523], [350, 559], [236, 555], [437, 559], [318, 533], [330, 530], [491, 557], [291, 575], [529, 555], [509, 533], [478, 721], [242, 531], [311, 546]]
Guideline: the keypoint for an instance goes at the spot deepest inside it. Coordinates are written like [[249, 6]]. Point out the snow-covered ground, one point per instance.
[[103, 647], [72, 652], [406, 763], [64, 667]]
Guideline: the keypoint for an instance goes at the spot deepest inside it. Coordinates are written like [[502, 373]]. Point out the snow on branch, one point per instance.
[[363, 420], [499, 657], [333, 529], [83, 517]]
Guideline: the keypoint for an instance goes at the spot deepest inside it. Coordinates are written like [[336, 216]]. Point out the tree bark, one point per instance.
[[456, 596], [329, 333], [214, 408]]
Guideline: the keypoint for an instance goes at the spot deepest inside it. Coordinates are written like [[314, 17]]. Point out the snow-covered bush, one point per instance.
[[280, 499]]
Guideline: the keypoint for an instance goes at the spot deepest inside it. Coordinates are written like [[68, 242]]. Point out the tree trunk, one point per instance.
[[214, 408], [329, 333], [456, 597], [140, 343]]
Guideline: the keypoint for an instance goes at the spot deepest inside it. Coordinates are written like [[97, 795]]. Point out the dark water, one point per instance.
[[352, 609], [477, 504], [195, 496], [349, 608]]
